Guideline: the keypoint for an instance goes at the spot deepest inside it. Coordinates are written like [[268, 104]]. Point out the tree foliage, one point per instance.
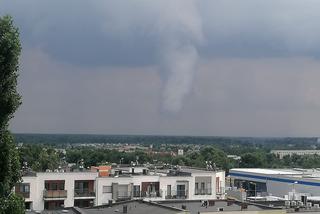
[[9, 102]]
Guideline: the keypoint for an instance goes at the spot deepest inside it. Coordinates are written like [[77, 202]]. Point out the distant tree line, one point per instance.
[[221, 142], [42, 157]]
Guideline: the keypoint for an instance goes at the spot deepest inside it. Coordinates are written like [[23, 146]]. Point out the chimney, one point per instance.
[[125, 209]]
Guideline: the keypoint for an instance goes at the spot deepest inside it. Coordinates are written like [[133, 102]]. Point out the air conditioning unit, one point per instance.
[[309, 205], [287, 203], [293, 203], [300, 203], [316, 206]]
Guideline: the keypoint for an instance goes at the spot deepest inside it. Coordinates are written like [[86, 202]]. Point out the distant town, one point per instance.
[[247, 174]]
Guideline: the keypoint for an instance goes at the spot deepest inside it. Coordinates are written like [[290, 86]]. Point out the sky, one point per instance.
[[168, 67]]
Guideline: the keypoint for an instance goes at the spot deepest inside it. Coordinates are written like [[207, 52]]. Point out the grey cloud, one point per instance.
[[126, 32], [91, 66], [229, 97]]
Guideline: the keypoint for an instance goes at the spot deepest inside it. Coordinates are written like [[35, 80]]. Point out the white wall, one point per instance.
[[281, 189], [37, 186], [222, 177], [33, 190]]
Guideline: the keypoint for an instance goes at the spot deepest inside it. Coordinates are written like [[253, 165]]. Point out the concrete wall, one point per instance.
[[281, 185], [281, 189]]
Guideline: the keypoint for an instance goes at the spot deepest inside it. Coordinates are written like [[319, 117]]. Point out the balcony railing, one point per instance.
[[139, 194], [177, 194], [202, 191], [154, 194], [84, 193], [124, 194], [24, 194], [54, 193]]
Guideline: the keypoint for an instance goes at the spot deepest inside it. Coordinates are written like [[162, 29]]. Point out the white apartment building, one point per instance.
[[47, 190], [50, 190], [188, 184], [282, 153]]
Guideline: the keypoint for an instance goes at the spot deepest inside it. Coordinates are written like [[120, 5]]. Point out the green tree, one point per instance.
[[10, 100], [253, 160]]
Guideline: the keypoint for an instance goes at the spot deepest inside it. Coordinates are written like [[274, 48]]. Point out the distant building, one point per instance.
[[289, 184], [103, 171], [180, 152], [282, 153], [234, 157]]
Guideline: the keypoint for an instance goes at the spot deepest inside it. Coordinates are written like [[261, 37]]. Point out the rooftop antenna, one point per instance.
[[81, 165], [121, 160]]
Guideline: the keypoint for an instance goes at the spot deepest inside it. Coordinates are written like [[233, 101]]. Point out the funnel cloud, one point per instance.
[[180, 33]]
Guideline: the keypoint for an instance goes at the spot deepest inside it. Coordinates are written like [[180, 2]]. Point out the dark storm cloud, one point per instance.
[[125, 33], [222, 67], [73, 31]]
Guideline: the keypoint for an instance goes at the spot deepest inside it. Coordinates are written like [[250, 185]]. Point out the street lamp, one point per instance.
[[121, 160], [294, 190]]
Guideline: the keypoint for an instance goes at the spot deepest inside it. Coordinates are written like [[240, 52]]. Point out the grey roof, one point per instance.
[[195, 206], [133, 207], [64, 211]]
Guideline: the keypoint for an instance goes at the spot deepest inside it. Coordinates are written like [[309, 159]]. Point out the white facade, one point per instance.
[[37, 187], [193, 184], [282, 153], [166, 186], [281, 183]]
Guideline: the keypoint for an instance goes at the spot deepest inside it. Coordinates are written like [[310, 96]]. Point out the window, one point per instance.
[[196, 188], [54, 185], [218, 184], [81, 185], [107, 189], [202, 188], [24, 187], [208, 188], [136, 191]]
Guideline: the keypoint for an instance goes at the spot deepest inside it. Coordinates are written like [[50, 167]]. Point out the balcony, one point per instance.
[[84, 193], [24, 194], [178, 194], [49, 194], [124, 195], [155, 194], [202, 191]]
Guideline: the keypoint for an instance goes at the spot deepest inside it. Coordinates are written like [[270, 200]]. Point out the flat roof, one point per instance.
[[269, 171], [61, 211], [194, 207], [134, 207]]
